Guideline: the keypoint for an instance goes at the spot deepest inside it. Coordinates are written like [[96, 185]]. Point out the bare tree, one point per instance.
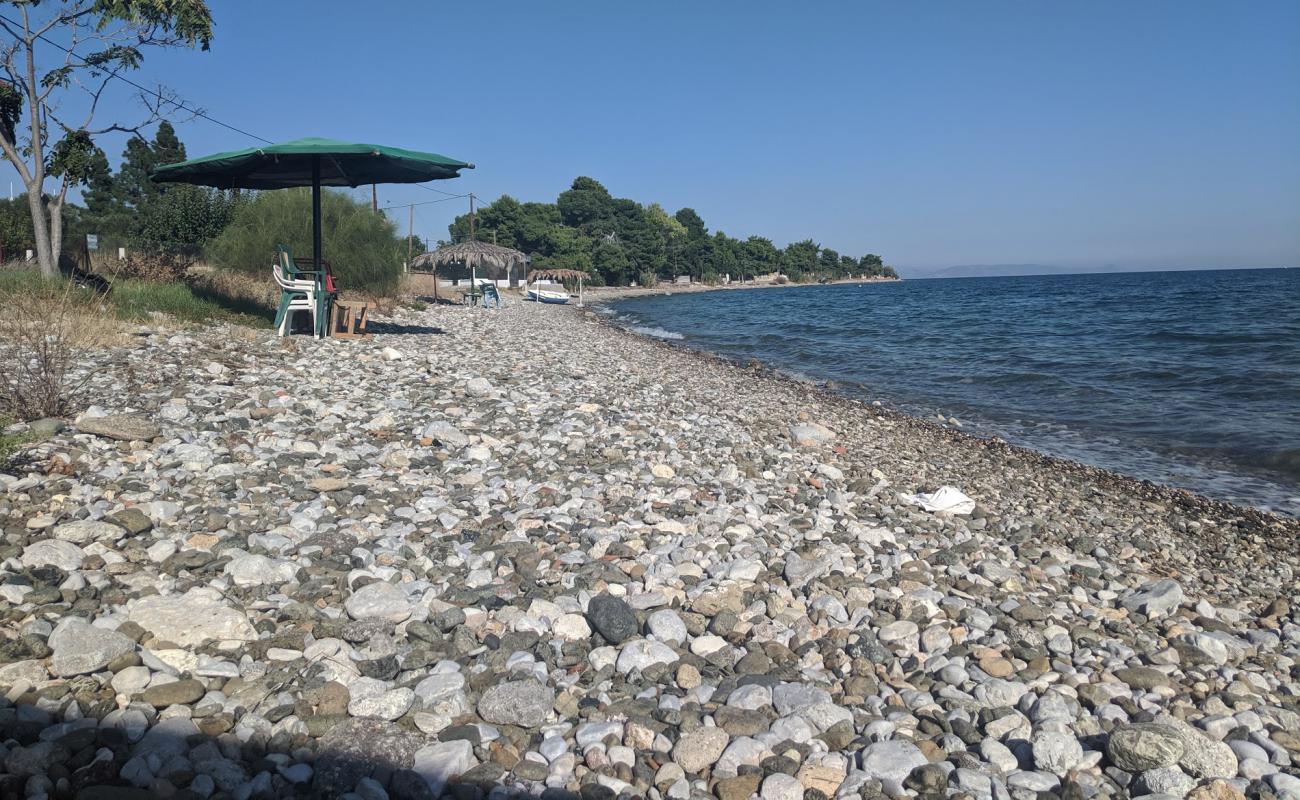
[[48, 105]]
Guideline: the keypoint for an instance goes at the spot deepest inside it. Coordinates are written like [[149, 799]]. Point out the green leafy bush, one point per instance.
[[362, 247]]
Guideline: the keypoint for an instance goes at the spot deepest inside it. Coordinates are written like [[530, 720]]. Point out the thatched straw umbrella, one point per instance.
[[560, 275], [473, 254]]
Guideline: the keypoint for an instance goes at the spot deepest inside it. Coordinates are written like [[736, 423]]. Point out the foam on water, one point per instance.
[[658, 333]]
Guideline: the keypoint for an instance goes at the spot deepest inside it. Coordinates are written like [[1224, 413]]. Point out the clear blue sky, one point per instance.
[[1151, 134]]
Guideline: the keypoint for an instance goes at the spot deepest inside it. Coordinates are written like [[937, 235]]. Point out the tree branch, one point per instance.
[[11, 153]]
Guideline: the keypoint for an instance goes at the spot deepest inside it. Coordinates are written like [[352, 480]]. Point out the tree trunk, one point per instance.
[[45, 256], [56, 231]]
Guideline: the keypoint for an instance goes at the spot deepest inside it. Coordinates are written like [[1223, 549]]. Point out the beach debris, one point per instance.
[[945, 498]]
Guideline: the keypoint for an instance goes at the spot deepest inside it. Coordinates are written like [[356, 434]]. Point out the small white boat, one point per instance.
[[548, 296]]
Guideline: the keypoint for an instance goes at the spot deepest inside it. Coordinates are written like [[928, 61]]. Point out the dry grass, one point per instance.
[[238, 288], [45, 327], [418, 284]]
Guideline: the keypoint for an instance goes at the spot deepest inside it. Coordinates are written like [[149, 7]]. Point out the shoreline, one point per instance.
[[676, 343], [607, 294], [1189, 500], [526, 548]]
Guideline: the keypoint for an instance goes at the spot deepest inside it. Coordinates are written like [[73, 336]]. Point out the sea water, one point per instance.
[[1190, 379]]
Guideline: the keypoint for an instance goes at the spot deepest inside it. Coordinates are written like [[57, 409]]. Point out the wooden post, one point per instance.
[[410, 233], [374, 198]]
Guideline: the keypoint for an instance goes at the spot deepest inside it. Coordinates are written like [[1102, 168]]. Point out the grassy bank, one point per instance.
[[202, 297]]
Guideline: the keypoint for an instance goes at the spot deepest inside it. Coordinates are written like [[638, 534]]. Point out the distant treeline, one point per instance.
[[619, 241]]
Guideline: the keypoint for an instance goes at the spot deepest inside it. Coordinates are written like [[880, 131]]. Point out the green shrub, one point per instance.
[[362, 247]]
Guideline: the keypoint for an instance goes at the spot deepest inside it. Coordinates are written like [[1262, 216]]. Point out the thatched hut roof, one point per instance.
[[556, 275], [470, 254]]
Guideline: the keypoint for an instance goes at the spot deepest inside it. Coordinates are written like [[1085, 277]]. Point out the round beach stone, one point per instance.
[[1146, 746], [80, 648], [667, 626], [1055, 752], [255, 570], [781, 787], [85, 531], [571, 627], [379, 600], [643, 653], [175, 693], [53, 553], [376, 699], [612, 618], [700, 749], [891, 762], [524, 703]]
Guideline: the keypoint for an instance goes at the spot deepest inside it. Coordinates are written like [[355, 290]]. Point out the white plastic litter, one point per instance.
[[945, 498]]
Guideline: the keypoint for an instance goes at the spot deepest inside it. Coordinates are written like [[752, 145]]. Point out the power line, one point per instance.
[[423, 202], [179, 104], [439, 191], [203, 115]]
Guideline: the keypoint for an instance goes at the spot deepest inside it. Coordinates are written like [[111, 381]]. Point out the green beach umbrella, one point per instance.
[[311, 162]]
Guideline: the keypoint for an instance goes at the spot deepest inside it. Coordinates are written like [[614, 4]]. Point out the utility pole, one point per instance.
[[471, 216], [410, 233]]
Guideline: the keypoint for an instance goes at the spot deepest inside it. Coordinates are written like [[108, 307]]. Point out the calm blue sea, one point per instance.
[[1191, 379]]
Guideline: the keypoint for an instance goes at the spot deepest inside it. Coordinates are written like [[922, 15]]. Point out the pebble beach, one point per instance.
[[524, 553]]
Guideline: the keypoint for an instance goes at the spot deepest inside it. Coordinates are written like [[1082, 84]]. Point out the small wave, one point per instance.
[[658, 333]]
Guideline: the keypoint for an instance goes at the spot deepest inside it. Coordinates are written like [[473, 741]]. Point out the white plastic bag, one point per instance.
[[945, 498]]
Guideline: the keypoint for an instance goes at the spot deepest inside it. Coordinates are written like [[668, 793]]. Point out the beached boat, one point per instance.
[[548, 296]]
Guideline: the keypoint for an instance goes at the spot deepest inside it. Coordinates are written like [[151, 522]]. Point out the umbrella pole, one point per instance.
[[322, 302], [315, 211]]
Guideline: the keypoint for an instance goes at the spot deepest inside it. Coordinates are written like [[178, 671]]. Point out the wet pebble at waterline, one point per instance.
[[532, 554]]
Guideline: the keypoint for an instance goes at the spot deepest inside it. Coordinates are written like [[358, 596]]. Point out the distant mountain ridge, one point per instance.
[[985, 271]]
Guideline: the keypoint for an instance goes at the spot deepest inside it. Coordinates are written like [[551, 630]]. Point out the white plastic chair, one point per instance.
[[304, 299]]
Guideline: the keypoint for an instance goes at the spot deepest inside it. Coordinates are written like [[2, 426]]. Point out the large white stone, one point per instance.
[[439, 763], [53, 553], [891, 762], [379, 600], [642, 653], [1056, 752], [191, 619], [571, 627], [779, 786], [85, 531], [666, 626], [700, 748], [80, 648], [1156, 598], [743, 751], [252, 570]]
